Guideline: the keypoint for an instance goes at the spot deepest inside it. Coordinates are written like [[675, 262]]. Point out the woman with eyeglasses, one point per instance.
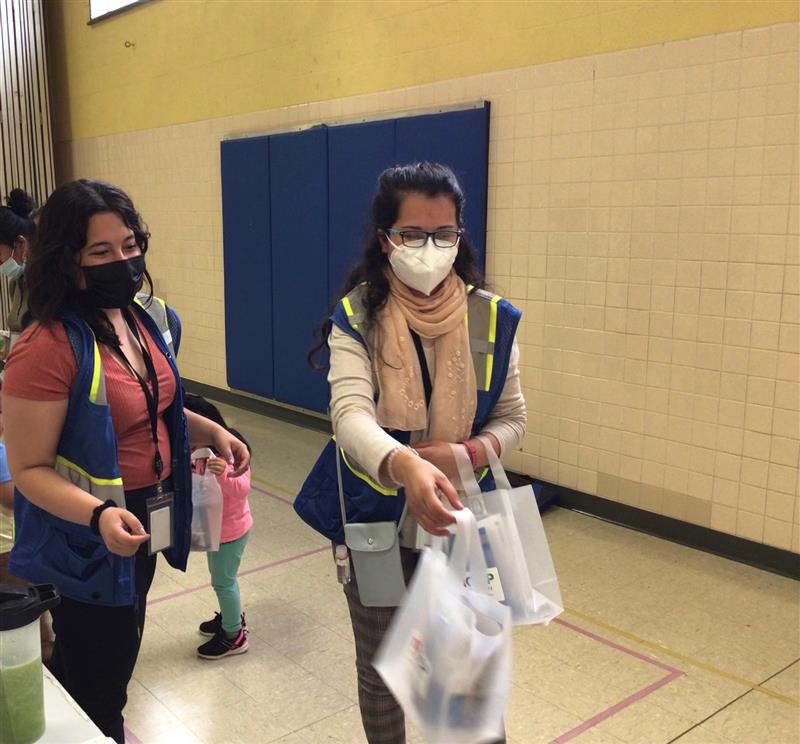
[[420, 357]]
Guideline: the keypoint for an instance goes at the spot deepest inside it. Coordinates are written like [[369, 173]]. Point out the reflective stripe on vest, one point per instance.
[[371, 483], [348, 308], [101, 488], [156, 308], [97, 392], [479, 475]]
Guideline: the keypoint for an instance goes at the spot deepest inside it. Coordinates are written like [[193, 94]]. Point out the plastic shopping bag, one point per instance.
[[521, 571], [206, 504], [447, 654]]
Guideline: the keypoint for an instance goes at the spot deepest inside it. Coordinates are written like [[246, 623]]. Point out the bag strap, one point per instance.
[[469, 483], [500, 477], [341, 492], [339, 482]]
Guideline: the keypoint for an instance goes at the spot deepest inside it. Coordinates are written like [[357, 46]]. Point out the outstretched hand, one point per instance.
[[231, 450], [424, 483]]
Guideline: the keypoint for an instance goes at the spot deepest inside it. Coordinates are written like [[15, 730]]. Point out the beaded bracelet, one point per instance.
[[390, 461]]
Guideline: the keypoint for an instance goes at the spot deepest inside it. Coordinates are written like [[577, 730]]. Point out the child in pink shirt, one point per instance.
[[228, 630]]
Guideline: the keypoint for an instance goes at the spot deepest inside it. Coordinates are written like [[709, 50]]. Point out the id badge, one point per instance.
[[159, 522]]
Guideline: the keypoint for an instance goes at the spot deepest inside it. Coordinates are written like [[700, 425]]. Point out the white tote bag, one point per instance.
[[447, 654], [521, 571], [206, 505]]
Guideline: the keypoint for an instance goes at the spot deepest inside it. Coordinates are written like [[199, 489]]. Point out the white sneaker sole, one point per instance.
[[233, 652]]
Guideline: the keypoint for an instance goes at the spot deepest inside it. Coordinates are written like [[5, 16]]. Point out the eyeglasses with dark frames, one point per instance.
[[418, 238]]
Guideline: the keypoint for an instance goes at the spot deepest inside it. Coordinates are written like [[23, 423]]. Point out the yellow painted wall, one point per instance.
[[200, 59], [643, 214]]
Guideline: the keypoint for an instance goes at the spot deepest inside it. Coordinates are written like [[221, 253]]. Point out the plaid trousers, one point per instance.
[[381, 716]]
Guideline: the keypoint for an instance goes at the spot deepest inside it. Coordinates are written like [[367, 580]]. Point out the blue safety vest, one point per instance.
[[52, 550], [492, 323]]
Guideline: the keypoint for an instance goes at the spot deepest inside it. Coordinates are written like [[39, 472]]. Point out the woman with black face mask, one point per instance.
[[98, 440]]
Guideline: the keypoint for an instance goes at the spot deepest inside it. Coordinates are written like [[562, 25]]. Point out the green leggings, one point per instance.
[[224, 565]]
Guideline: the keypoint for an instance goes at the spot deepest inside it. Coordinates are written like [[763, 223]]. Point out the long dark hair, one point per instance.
[[199, 405], [394, 184], [53, 270], [17, 218]]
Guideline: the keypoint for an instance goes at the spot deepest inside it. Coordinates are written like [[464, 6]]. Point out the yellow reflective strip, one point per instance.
[[96, 372], [365, 477], [470, 287], [138, 301], [348, 308], [492, 337], [97, 481]]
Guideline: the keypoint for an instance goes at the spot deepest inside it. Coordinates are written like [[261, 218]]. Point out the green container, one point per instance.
[[21, 702], [22, 715]]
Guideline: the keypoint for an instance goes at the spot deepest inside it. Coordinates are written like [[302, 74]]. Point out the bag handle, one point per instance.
[[469, 483], [202, 453], [499, 473], [341, 492], [467, 551]]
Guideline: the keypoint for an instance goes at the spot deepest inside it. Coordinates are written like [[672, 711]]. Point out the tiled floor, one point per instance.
[[659, 643]]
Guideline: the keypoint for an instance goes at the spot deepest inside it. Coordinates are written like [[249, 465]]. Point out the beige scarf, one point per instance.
[[441, 317]]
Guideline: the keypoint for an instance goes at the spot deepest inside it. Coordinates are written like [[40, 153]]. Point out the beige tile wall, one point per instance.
[[643, 212]]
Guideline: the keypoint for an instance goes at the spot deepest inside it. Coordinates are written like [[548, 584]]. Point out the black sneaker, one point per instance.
[[221, 646], [211, 627]]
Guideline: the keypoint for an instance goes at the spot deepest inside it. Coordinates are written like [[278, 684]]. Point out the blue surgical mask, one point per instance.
[[11, 269]]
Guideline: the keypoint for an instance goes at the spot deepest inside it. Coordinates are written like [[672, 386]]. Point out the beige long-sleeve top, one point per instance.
[[353, 408]]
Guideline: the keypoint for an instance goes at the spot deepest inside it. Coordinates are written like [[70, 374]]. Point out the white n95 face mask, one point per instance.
[[424, 268]]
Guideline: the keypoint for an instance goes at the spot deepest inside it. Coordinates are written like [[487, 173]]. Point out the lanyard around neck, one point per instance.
[[151, 398]]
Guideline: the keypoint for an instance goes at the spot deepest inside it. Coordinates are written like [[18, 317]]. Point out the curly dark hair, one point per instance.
[[394, 184], [53, 270]]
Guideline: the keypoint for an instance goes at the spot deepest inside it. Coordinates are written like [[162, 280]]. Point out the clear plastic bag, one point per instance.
[[447, 654], [206, 504], [515, 547]]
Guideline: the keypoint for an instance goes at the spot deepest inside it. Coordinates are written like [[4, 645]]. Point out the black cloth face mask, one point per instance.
[[114, 285]]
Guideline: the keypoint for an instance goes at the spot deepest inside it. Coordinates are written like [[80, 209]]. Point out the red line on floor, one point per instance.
[[249, 571], [608, 712], [624, 649], [674, 673], [270, 494], [131, 738]]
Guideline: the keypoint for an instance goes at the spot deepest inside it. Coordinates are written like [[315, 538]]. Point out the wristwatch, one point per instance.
[[94, 523]]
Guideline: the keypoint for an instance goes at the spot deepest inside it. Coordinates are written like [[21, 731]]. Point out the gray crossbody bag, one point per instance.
[[375, 549]]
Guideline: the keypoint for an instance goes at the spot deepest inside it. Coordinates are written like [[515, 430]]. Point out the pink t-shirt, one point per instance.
[[236, 516]]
